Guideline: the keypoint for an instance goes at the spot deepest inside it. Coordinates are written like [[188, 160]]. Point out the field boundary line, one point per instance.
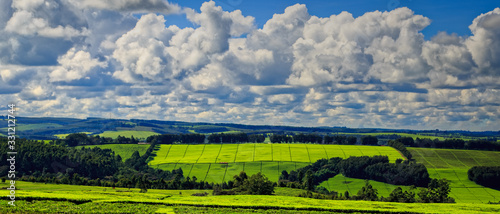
[[486, 190], [225, 172], [362, 154], [324, 149], [168, 152], [208, 170], [202, 151], [253, 158], [473, 158], [340, 147], [492, 161], [185, 151], [290, 152], [432, 165], [272, 155], [458, 159], [236, 153], [423, 158], [191, 169], [455, 172], [308, 155], [217, 158]]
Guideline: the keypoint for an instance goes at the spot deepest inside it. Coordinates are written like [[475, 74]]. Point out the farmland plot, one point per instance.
[[453, 165]]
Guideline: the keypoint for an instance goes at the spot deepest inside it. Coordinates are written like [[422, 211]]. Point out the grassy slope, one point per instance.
[[124, 150], [453, 165], [104, 196]]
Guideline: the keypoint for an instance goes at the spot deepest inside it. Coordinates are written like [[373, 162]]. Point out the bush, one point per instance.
[[200, 194]]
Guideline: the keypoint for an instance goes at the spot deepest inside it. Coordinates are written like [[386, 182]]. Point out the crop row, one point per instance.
[[453, 165], [251, 152], [219, 172]]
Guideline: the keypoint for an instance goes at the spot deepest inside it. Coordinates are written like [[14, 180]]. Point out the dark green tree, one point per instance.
[[369, 140], [367, 193], [258, 184]]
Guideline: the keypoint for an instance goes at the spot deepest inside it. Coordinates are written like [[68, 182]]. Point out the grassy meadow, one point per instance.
[[220, 162], [453, 165], [124, 150], [44, 198]]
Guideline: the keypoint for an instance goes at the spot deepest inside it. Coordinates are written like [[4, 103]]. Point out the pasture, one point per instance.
[[124, 150], [453, 165], [220, 162]]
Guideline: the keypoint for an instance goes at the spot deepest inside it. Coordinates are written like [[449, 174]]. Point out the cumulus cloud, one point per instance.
[[159, 6], [375, 70], [484, 45], [74, 65], [28, 20]]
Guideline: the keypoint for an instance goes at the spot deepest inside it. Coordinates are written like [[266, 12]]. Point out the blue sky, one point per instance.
[[446, 15], [386, 64]]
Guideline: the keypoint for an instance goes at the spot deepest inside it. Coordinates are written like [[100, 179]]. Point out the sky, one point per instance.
[[403, 64]]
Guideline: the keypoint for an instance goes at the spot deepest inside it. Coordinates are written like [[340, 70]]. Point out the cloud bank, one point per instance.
[[88, 58]]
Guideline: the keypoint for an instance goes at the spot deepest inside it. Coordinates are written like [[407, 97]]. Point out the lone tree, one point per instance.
[[258, 184]]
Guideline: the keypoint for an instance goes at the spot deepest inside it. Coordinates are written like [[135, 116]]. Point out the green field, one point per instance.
[[453, 165], [124, 150], [341, 184], [68, 198], [220, 162], [128, 133]]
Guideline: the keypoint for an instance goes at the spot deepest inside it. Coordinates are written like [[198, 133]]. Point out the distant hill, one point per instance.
[[44, 128]]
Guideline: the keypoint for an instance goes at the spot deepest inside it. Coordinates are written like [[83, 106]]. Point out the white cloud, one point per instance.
[[27, 20], [375, 70], [74, 65], [159, 6], [484, 44]]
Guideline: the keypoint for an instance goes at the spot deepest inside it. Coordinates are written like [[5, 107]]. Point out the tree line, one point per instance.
[[318, 139], [488, 176], [40, 162], [82, 139], [478, 144]]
